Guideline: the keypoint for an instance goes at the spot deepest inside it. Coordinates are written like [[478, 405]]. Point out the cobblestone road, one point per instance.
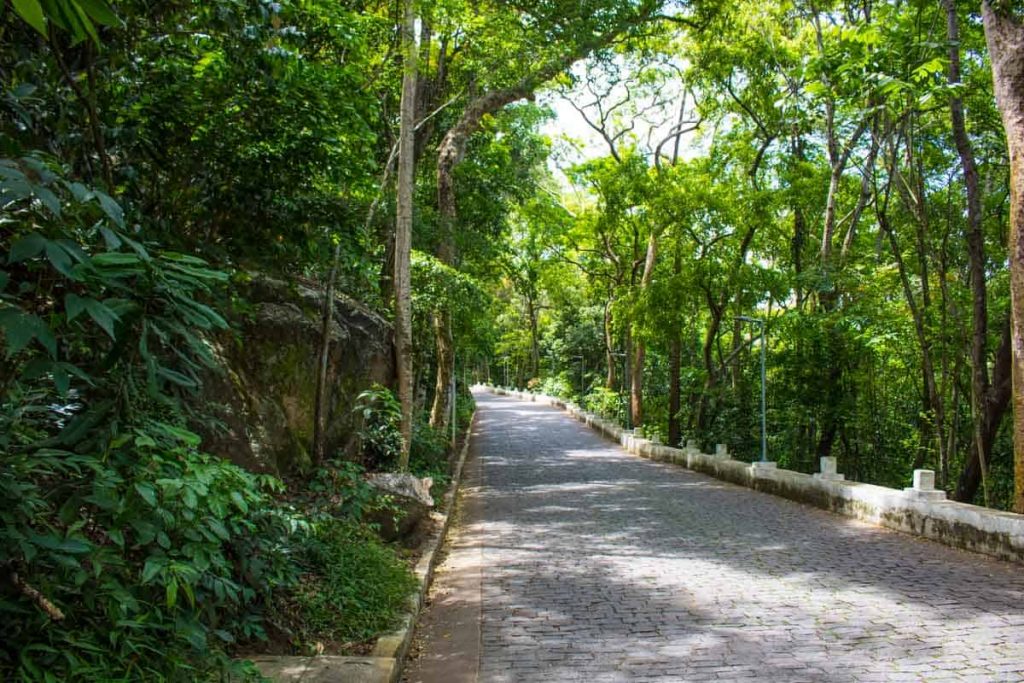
[[600, 566]]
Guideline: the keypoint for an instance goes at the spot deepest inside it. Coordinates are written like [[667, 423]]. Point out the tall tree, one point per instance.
[[403, 231], [1004, 33]]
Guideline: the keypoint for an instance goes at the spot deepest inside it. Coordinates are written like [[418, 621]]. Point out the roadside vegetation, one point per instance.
[[840, 171]]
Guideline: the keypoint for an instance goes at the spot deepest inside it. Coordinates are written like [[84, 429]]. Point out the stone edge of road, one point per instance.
[[388, 655], [994, 533]]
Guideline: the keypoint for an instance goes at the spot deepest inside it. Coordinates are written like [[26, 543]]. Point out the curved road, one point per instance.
[[575, 561]]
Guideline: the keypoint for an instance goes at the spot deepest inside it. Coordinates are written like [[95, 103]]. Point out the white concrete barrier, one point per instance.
[[920, 510]]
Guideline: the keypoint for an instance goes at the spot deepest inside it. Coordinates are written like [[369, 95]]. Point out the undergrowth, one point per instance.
[[353, 586]]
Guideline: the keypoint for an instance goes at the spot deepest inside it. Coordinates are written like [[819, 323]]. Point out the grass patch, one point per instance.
[[353, 587]]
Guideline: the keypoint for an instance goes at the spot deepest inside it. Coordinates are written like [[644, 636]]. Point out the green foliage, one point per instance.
[[337, 489], [353, 586], [604, 402], [382, 439], [559, 385], [428, 454], [155, 568]]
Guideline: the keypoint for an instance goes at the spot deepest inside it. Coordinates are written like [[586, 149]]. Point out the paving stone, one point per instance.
[[601, 566]]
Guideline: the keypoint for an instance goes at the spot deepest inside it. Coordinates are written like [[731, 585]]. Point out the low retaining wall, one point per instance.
[[969, 527]]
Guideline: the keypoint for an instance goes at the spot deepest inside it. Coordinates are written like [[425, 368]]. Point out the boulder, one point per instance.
[[263, 397], [409, 499]]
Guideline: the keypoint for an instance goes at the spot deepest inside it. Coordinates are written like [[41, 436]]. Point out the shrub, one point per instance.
[[604, 402], [559, 385], [353, 586], [382, 438], [152, 558], [428, 454]]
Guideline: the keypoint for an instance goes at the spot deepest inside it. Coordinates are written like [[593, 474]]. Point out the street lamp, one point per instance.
[[764, 398]]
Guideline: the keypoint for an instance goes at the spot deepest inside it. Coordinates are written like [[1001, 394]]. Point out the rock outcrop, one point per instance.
[[409, 502], [265, 397]]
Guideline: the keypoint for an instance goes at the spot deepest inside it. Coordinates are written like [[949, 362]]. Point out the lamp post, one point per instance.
[[764, 398]]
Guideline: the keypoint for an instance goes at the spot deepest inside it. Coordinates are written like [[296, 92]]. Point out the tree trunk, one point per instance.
[[980, 387], [636, 379], [675, 362], [990, 415], [403, 234], [611, 380], [933, 401], [320, 405], [1005, 37], [531, 311], [441, 408]]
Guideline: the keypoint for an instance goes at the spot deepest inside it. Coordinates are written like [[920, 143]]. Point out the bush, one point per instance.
[[353, 586], [151, 558], [428, 454], [559, 386], [604, 402], [382, 438]]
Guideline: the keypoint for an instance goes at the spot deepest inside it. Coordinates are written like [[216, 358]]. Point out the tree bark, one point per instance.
[[403, 233], [636, 379], [1005, 37], [675, 362], [611, 380], [320, 400], [441, 408]]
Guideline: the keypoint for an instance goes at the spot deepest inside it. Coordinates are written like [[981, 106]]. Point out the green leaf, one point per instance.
[[176, 377], [59, 259], [144, 441], [111, 238], [73, 306], [21, 328], [115, 259], [172, 593], [147, 492], [100, 12], [48, 199], [239, 502], [185, 436], [111, 208], [102, 315], [61, 380], [27, 247], [32, 12], [153, 566]]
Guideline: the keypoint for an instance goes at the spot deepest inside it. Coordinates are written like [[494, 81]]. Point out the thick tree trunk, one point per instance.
[[403, 235], [1005, 37], [636, 379]]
